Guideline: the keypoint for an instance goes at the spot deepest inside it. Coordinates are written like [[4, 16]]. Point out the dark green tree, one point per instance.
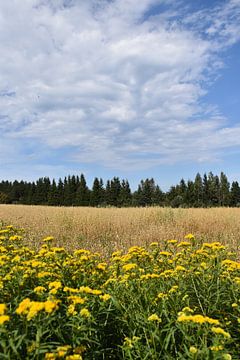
[[83, 193]]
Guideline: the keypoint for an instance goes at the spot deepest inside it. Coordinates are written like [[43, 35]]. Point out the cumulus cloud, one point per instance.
[[118, 82]]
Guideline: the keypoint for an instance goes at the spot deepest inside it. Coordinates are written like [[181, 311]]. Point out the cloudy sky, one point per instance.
[[119, 87]]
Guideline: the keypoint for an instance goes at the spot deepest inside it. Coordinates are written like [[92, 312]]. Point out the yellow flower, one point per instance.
[[71, 310], [48, 239], [165, 253], [39, 289], [35, 308], [3, 308], [180, 268], [234, 305], [76, 299], [50, 306], [3, 319], [154, 243], [197, 319], [154, 317], [129, 267], [50, 356], [193, 350], [62, 350], [74, 357], [85, 313], [102, 266], [105, 297], [172, 241], [189, 236], [218, 330], [216, 348], [183, 244], [23, 306]]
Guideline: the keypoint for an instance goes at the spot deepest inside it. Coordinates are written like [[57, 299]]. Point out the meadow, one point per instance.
[[108, 229], [132, 284]]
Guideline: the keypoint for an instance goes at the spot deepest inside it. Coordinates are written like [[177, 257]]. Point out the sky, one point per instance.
[[124, 88]]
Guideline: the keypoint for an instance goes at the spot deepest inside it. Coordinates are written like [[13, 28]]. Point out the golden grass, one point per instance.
[[106, 230]]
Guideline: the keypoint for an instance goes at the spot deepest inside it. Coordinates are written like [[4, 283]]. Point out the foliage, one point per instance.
[[176, 302], [208, 191]]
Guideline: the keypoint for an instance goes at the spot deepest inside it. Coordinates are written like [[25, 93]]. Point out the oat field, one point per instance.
[[108, 229]]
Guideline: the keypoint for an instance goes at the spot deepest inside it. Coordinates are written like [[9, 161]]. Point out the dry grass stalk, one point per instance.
[[105, 230]]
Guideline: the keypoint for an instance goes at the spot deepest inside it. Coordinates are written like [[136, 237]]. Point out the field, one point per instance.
[[109, 229], [168, 294]]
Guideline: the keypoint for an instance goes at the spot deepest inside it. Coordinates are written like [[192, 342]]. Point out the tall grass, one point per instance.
[[109, 229]]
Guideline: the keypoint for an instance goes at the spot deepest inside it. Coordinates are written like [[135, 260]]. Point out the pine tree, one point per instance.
[[235, 194], [97, 193], [224, 190], [82, 194], [125, 196], [53, 197], [198, 191]]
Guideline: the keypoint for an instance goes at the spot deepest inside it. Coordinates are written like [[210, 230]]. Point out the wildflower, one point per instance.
[[173, 289], [71, 310], [62, 350], [105, 297], [189, 236], [76, 299], [154, 317], [216, 348], [48, 239], [102, 266], [197, 319], [218, 330], [23, 306], [85, 313], [183, 244], [129, 267], [15, 238], [234, 305], [165, 253], [3, 319], [50, 356], [154, 244], [193, 350], [180, 268], [50, 306], [3, 308], [74, 357], [172, 241], [39, 289], [34, 309]]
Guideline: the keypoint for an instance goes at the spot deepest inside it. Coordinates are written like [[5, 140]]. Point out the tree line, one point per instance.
[[205, 191]]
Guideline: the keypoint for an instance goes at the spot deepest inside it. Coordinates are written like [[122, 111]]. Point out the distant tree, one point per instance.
[[235, 194], [97, 193], [125, 195], [158, 196], [190, 195], [4, 198], [214, 189], [53, 196], [198, 191], [224, 190], [83, 193]]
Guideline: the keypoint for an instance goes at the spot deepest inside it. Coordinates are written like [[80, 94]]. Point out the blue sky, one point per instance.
[[119, 88]]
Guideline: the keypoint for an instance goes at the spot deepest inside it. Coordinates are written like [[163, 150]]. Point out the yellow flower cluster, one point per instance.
[[53, 295]]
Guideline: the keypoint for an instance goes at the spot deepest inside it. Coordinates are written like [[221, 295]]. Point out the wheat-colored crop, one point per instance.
[[108, 229]]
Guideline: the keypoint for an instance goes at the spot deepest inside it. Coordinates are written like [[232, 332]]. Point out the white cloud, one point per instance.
[[122, 89]]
